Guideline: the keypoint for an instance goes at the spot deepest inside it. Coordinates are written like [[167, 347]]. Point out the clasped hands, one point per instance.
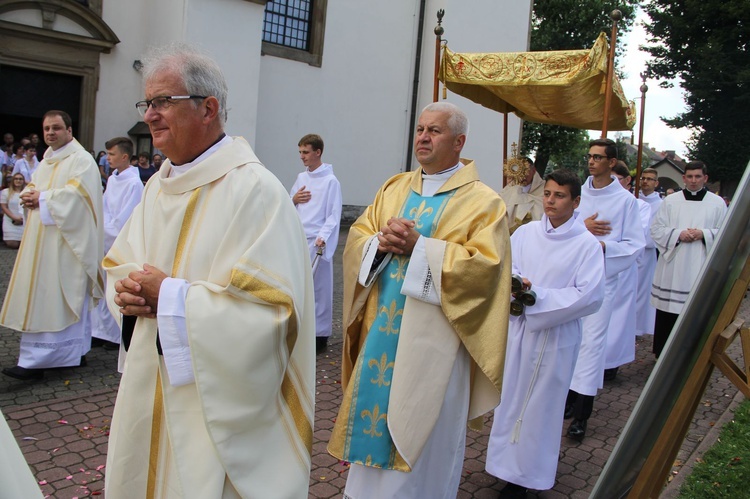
[[398, 236], [30, 199], [690, 235], [138, 294]]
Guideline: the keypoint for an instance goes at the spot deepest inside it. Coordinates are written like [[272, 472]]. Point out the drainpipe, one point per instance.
[[415, 86]]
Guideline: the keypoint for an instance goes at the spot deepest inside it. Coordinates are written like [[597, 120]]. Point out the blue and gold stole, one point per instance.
[[368, 441]]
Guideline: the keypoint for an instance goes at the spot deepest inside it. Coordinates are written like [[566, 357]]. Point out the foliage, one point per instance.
[[724, 470], [568, 25], [706, 43]]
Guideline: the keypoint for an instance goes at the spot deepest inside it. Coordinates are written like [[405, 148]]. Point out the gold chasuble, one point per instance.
[[468, 252], [58, 266], [244, 428]]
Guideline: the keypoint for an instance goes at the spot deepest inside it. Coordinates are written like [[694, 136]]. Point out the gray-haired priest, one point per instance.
[[216, 398], [426, 302]]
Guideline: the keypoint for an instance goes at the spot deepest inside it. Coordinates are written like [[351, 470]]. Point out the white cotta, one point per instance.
[[623, 244], [566, 270]]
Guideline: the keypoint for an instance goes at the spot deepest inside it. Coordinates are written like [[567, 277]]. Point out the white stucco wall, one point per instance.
[[360, 99], [228, 30]]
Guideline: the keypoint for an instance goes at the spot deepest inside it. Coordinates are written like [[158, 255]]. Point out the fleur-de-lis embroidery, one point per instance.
[[390, 317], [382, 368], [368, 460], [374, 418], [399, 273], [417, 213]]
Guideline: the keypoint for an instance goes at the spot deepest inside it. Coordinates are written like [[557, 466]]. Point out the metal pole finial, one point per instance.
[[439, 28]]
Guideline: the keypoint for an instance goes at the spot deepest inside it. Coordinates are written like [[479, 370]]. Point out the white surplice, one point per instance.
[[124, 190], [617, 206], [622, 326], [321, 218], [645, 314], [566, 269], [679, 263]]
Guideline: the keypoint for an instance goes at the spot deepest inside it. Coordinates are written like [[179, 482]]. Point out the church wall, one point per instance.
[[119, 84], [228, 30], [360, 99]]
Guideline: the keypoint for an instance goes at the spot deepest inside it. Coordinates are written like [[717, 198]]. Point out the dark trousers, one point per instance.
[[583, 405], [662, 328]]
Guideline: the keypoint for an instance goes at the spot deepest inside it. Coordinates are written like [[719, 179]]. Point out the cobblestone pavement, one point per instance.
[[61, 422]]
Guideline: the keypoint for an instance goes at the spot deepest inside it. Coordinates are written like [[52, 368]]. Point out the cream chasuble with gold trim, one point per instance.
[[471, 242], [244, 428], [68, 253]]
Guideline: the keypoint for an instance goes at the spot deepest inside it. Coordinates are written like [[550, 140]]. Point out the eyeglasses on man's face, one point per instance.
[[162, 102], [595, 157], [650, 179]]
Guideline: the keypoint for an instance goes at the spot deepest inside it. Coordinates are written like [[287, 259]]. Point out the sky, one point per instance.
[[659, 101]]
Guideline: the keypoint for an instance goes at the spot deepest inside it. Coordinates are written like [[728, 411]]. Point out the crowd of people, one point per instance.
[[215, 283]]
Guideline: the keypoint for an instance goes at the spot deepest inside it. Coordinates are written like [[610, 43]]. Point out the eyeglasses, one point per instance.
[[650, 179], [163, 101], [595, 157]]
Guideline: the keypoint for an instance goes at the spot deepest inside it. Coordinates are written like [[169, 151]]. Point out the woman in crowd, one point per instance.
[[10, 202]]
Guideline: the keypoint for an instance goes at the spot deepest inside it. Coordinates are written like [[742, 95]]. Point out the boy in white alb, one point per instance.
[[612, 215], [317, 196], [124, 190], [645, 315], [543, 342]]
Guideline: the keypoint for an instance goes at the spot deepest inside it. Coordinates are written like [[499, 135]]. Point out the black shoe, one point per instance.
[[321, 342], [610, 374], [513, 491], [83, 361], [23, 373], [577, 429], [96, 342], [568, 412]]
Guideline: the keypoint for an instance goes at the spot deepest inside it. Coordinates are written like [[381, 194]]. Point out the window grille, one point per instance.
[[287, 23]]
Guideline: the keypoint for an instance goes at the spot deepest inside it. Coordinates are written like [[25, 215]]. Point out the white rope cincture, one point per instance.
[[516, 434]]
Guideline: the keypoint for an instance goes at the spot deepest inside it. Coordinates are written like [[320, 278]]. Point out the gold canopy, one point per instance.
[[564, 87]]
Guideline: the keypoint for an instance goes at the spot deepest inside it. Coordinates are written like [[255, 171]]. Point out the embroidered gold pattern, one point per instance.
[[391, 315], [399, 273], [375, 417], [418, 213], [382, 368]]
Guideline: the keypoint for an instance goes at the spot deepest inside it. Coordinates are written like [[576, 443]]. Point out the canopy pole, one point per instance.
[[438, 40], [616, 15], [505, 137], [639, 163]]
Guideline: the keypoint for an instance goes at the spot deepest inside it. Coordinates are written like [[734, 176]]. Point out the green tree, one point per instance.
[[568, 25], [706, 43]]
